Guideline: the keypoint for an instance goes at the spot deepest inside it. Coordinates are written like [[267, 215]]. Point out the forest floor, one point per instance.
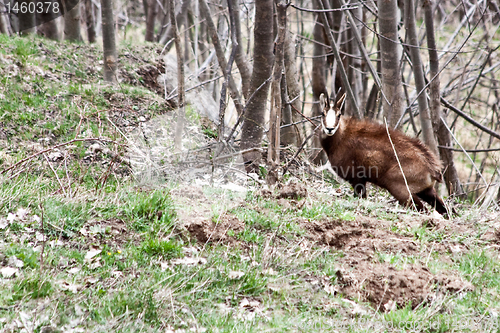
[[103, 235]]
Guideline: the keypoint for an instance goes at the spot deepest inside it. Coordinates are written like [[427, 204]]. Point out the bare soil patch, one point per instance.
[[294, 191], [361, 238], [207, 231], [362, 276], [112, 232]]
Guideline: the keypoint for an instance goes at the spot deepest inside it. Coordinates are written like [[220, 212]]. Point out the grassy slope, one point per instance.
[[118, 258]]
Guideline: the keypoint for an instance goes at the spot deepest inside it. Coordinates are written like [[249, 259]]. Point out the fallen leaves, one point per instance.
[[8, 272]]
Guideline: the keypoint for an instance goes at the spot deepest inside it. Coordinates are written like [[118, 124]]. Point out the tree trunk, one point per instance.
[[273, 155], [290, 135], [425, 115], [450, 172], [152, 11], [72, 17], [205, 12], [4, 19], [180, 79], [89, 19], [390, 54], [241, 59], [354, 61], [27, 20], [46, 22], [109, 41], [318, 82], [179, 17], [253, 123]]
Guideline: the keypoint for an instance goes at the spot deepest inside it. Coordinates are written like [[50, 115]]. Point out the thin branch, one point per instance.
[[468, 118], [361, 45], [55, 174], [343, 74], [54, 147], [299, 150], [399, 163], [468, 156], [343, 8], [470, 150]]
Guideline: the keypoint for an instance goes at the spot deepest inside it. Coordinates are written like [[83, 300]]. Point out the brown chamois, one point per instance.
[[360, 152]]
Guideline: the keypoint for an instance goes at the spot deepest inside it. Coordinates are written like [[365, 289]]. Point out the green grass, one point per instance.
[[150, 273]]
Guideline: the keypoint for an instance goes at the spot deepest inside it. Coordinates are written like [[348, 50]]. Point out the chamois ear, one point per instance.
[[340, 102], [323, 102]]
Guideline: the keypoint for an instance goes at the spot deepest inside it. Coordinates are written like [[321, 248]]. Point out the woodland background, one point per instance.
[[159, 168]]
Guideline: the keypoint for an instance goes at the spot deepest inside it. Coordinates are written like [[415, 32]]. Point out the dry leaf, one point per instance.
[[235, 274], [117, 273], [8, 272], [13, 261], [189, 261], [74, 270], [91, 254], [65, 285]]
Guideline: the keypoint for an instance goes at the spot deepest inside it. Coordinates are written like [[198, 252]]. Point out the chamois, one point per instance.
[[361, 151]]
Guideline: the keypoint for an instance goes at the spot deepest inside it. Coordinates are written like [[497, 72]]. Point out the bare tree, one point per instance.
[[253, 124], [235, 95], [72, 31], [290, 135], [423, 106], [318, 80], [27, 20], [152, 11], [241, 59], [4, 19], [167, 36], [89, 20], [276, 102], [180, 79], [109, 41], [390, 55], [354, 60], [438, 118], [47, 23]]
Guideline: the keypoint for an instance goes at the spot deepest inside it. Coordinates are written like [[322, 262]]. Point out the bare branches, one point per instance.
[[468, 118], [52, 148]]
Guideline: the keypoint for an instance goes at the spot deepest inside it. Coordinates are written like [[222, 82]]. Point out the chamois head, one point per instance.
[[330, 118]]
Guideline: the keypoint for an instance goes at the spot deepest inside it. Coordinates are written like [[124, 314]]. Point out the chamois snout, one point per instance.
[[331, 114]]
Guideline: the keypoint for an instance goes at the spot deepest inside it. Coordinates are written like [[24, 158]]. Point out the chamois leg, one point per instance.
[[359, 187], [430, 196], [401, 194]]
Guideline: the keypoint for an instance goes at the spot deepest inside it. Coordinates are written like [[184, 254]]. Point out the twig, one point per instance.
[[399, 163], [43, 236], [322, 10], [469, 119], [54, 147], [55, 174], [362, 48], [299, 150], [338, 58], [468, 156], [470, 150], [303, 115]]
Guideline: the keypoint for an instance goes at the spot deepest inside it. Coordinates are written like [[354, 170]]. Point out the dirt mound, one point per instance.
[[207, 231], [292, 191], [362, 275], [384, 286], [360, 238]]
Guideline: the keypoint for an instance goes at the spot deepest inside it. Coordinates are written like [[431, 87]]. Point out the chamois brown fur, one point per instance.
[[360, 152]]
